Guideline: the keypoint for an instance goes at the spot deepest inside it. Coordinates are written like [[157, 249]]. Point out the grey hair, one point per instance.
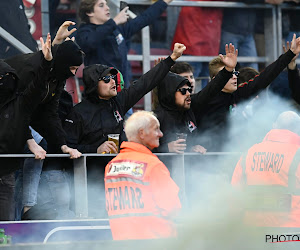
[[138, 120], [289, 120]]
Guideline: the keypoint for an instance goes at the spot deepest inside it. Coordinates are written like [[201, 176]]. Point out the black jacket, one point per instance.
[[213, 117], [172, 120], [15, 113], [88, 125], [294, 84], [45, 119]]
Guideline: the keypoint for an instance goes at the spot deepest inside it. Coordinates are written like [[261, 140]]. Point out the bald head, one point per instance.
[[143, 127], [288, 120]]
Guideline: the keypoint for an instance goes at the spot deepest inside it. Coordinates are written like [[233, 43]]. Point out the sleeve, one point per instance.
[[294, 84], [237, 177], [74, 128], [146, 18], [252, 87], [212, 89], [165, 191], [129, 97], [89, 39]]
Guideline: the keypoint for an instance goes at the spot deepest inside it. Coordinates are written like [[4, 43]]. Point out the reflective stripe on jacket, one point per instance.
[[141, 197], [269, 177]]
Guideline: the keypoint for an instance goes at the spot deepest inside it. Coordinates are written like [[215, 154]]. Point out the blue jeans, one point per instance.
[[27, 182], [244, 43], [53, 200]]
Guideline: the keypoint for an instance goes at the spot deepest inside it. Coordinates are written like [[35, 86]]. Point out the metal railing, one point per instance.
[[176, 163]]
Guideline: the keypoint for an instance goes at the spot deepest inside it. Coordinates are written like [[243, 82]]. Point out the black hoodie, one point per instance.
[[15, 112], [172, 120], [45, 119], [88, 125]]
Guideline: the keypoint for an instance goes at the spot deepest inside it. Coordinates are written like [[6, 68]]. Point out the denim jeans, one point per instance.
[[7, 187], [53, 200], [27, 182], [244, 43]]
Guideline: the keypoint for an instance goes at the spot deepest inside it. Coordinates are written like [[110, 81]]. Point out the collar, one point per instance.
[[282, 135], [127, 146]]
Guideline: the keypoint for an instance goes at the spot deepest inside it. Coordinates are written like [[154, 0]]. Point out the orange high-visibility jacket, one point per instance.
[[269, 177], [141, 197]]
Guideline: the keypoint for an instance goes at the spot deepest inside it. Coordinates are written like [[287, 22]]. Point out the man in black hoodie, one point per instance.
[[102, 113], [67, 57], [15, 112], [177, 106]]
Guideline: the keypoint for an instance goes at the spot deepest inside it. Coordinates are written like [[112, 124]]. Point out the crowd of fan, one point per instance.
[[38, 113]]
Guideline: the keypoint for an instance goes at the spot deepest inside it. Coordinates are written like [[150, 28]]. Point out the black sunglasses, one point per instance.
[[106, 79], [184, 90], [6, 75], [236, 73]]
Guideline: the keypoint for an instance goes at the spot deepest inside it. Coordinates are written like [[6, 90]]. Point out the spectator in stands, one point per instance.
[[103, 109], [15, 115], [67, 57], [213, 118], [181, 68], [176, 106], [147, 179], [200, 30], [106, 40], [238, 27], [15, 22]]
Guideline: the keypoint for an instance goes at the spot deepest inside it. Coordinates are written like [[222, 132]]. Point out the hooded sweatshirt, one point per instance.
[[15, 112], [45, 119], [172, 120], [88, 125]]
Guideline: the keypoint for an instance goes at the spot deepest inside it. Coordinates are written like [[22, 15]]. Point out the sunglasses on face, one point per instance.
[[6, 75], [106, 79], [184, 90], [236, 73]]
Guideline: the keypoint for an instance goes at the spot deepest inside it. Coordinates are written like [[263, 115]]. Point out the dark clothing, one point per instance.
[[213, 118], [15, 115], [109, 43], [45, 119], [15, 22], [240, 21], [88, 125], [172, 120], [294, 83], [7, 189]]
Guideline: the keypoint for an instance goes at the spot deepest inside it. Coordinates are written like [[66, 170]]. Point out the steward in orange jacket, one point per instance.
[[269, 176], [141, 197]]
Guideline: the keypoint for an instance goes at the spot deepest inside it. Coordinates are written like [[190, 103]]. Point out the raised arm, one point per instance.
[[260, 82], [218, 82], [129, 97], [63, 32]]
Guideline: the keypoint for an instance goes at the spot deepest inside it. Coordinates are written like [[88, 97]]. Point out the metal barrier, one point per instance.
[[175, 162]]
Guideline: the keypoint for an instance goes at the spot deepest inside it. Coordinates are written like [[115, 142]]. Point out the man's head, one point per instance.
[[8, 81], [94, 11], [217, 65], [288, 120], [68, 56], [246, 74], [186, 70], [174, 92], [101, 80], [143, 127]]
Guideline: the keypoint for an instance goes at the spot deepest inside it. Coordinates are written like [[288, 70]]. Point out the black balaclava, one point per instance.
[[8, 82], [66, 55]]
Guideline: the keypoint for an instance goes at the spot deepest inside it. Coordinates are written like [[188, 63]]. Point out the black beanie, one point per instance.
[[66, 55]]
